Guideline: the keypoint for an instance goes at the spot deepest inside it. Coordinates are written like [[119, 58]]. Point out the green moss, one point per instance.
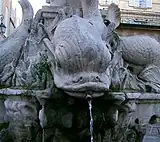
[[4, 126]]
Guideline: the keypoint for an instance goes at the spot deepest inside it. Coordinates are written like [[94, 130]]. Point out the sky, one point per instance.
[[37, 4]]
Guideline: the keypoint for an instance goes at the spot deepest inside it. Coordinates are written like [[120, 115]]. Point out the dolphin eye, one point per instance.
[[78, 80]]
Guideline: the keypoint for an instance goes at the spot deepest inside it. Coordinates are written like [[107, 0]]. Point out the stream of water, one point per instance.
[[91, 118], [43, 136]]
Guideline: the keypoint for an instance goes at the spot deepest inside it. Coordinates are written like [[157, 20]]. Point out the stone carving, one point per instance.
[[55, 60], [141, 57], [10, 47]]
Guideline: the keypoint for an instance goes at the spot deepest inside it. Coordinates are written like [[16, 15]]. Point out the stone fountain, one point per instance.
[[67, 76]]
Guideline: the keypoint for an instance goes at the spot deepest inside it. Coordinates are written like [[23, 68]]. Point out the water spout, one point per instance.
[[89, 98]]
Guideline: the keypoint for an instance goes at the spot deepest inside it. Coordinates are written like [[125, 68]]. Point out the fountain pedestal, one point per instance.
[[69, 121]]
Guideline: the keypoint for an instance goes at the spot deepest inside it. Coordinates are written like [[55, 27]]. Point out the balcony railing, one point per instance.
[[142, 18]]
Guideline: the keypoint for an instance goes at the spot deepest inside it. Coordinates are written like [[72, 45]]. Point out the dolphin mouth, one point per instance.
[[97, 89], [84, 94], [87, 86]]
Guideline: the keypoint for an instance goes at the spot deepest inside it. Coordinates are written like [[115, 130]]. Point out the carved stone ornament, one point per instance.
[[65, 58]]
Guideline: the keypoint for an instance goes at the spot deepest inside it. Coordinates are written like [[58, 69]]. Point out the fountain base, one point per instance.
[[68, 120]]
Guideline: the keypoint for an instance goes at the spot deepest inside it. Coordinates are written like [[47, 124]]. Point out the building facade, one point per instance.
[[9, 16], [137, 16], [135, 5]]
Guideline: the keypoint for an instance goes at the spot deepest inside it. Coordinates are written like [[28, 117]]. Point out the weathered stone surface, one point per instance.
[[11, 46], [65, 54], [152, 133]]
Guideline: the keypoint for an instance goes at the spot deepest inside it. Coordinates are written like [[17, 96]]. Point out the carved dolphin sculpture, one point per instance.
[[141, 53], [10, 47], [141, 50], [138, 50], [81, 56]]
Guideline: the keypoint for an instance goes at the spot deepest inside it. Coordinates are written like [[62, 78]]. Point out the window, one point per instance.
[[112, 1], [141, 3]]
